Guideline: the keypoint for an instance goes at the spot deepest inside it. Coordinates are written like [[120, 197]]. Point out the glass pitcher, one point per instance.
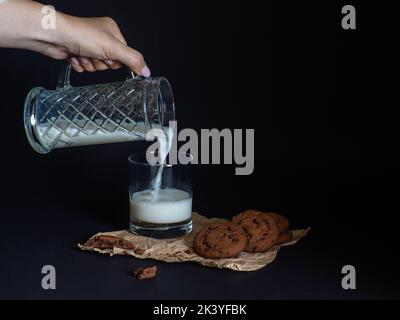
[[96, 114]]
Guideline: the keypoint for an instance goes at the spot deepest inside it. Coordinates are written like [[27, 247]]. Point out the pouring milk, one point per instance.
[[161, 205]]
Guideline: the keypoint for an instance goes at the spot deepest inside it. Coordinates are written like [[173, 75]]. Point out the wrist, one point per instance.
[[64, 33], [47, 24], [52, 27], [33, 21]]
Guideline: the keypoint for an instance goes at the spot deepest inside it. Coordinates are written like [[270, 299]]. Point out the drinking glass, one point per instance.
[[161, 210]]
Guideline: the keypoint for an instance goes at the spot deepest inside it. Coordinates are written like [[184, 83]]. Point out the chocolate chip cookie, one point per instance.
[[281, 221], [284, 237], [262, 230], [220, 240]]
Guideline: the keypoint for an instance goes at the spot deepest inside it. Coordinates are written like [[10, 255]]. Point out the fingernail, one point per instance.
[[83, 60], [145, 72], [109, 62], [74, 60]]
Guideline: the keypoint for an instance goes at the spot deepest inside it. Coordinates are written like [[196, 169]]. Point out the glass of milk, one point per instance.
[[160, 196]]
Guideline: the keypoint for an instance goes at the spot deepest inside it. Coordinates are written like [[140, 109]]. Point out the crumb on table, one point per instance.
[[145, 273]]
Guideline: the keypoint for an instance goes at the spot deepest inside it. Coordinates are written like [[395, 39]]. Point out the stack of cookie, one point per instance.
[[249, 231]]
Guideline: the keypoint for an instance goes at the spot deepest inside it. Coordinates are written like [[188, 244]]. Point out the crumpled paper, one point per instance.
[[180, 249]]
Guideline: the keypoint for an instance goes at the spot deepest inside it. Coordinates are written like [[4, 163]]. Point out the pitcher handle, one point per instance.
[[64, 78]]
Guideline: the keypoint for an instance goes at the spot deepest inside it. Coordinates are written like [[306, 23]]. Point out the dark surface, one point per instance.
[[324, 154]]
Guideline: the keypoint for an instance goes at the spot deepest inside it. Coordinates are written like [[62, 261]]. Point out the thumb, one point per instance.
[[131, 58]]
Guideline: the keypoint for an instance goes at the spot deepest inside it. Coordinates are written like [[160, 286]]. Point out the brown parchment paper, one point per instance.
[[180, 249]]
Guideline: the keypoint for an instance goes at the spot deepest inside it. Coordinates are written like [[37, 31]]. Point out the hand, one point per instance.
[[95, 44], [90, 44]]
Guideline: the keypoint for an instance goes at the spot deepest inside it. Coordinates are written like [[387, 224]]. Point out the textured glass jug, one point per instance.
[[96, 114]]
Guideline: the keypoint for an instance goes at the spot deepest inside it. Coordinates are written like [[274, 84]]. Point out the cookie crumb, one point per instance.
[[139, 251], [109, 242], [145, 273]]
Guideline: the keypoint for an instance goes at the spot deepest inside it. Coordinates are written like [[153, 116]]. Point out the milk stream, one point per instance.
[[165, 143]]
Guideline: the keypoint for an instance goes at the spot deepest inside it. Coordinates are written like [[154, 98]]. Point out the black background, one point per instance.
[[323, 153]]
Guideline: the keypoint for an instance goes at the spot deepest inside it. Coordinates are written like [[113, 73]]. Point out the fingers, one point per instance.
[[80, 64], [131, 58], [99, 65], [76, 65], [86, 64], [113, 64]]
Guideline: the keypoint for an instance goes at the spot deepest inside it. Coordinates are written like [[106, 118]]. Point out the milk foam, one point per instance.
[[170, 206]]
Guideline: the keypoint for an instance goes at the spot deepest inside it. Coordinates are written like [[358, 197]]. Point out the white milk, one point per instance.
[[54, 137], [170, 206]]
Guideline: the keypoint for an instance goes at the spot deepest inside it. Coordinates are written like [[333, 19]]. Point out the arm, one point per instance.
[[88, 43]]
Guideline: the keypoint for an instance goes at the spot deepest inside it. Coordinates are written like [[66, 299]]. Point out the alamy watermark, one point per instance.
[[237, 145], [49, 18], [48, 21], [349, 20], [49, 280], [349, 280]]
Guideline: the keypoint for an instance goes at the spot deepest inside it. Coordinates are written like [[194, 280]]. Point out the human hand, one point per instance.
[[96, 44], [88, 43]]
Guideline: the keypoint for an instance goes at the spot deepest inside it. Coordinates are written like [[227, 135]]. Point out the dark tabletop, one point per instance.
[[37, 233]]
